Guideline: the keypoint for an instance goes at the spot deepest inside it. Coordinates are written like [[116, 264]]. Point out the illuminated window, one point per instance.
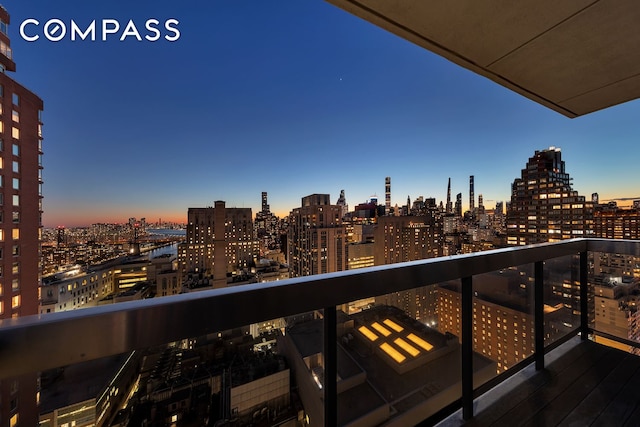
[[16, 268], [15, 116], [15, 301], [15, 133], [15, 233], [16, 200], [15, 285]]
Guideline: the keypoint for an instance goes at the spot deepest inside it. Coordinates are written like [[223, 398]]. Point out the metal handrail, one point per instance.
[[36, 343]]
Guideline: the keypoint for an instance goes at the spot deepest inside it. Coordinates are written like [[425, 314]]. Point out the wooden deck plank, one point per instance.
[[591, 407], [502, 401], [577, 389], [588, 384], [558, 382], [622, 405]]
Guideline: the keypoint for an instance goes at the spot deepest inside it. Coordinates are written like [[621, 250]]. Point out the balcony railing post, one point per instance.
[[538, 313], [584, 295], [467, 347], [330, 367]]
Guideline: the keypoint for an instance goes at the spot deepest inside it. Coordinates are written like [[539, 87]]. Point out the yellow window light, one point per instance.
[[407, 347], [368, 333], [395, 354], [420, 342], [393, 325], [378, 327]]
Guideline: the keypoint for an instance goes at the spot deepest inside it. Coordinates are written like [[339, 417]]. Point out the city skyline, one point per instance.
[[291, 98]]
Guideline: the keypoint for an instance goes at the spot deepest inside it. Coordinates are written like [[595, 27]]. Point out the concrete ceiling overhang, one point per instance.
[[574, 57]]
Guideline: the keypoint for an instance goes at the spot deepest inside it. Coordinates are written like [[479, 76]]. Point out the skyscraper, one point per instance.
[[219, 241], [458, 208], [21, 193], [20, 218], [472, 204], [449, 207], [342, 202], [387, 195], [265, 205], [409, 238], [544, 207], [317, 238]]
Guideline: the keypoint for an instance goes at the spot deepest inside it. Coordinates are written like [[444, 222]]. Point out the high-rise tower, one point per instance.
[[387, 195], [21, 210], [544, 207], [449, 208], [458, 209], [471, 196], [219, 241], [316, 239], [342, 202], [265, 205], [21, 194]]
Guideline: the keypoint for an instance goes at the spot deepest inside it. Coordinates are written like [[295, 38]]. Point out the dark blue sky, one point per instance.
[[291, 97]]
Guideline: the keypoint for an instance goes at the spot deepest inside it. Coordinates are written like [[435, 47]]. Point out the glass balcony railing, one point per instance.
[[403, 343]]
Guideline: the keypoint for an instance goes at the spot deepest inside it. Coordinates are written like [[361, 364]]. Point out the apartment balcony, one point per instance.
[[503, 337]]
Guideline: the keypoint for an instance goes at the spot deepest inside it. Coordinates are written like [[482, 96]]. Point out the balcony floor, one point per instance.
[[584, 383]]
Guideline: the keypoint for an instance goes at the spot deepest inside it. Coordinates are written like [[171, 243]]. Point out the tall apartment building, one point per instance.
[[219, 241], [544, 207], [617, 223], [409, 238], [611, 222], [317, 237], [20, 218], [616, 311]]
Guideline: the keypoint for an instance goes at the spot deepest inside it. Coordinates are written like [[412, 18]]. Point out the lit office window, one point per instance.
[[15, 116], [15, 233], [15, 301], [15, 132]]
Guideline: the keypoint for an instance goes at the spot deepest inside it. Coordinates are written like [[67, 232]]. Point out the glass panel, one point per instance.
[[503, 316], [397, 361], [615, 294], [561, 297]]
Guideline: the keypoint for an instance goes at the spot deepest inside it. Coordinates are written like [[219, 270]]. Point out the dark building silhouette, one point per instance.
[[544, 207]]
